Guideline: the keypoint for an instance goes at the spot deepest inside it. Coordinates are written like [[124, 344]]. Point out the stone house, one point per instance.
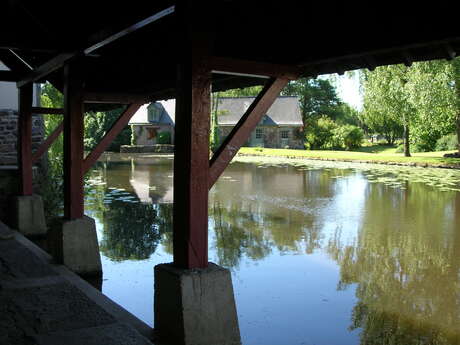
[[8, 138], [281, 127], [152, 121]]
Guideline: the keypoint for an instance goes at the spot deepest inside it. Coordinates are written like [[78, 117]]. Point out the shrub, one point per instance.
[[319, 134], [447, 143], [348, 137], [164, 138]]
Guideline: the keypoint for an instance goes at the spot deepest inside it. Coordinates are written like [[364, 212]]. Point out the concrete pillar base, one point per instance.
[[195, 306], [29, 216], [74, 244]]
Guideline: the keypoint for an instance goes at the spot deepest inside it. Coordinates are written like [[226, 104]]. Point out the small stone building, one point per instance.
[[8, 138], [281, 127], [154, 123]]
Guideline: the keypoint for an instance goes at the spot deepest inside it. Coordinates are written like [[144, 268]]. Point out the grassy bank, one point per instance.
[[377, 154]]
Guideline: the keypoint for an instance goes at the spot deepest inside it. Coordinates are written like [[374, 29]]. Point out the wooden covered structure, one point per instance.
[[101, 54]]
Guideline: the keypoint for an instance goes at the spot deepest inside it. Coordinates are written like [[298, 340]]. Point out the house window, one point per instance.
[[259, 133], [284, 134], [154, 112]]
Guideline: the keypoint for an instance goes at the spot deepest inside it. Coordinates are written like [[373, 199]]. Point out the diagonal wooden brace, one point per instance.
[[242, 130], [47, 143], [116, 128]]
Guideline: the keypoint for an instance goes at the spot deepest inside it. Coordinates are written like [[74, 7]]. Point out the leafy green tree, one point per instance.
[[386, 102], [424, 97], [97, 124], [317, 97], [348, 137], [429, 90], [320, 133], [456, 71]]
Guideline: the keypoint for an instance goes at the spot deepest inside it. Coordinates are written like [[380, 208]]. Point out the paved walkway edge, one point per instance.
[[112, 308]]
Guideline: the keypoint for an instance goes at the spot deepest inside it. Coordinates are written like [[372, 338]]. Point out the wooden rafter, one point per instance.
[[114, 98], [46, 69], [47, 143], [242, 130], [252, 68], [102, 39], [47, 111], [129, 30], [116, 128], [9, 76]]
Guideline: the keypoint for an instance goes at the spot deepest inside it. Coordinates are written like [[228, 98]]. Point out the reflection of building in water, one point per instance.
[[152, 183]]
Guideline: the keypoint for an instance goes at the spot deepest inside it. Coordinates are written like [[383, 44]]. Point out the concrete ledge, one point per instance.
[[58, 283], [29, 216], [195, 306], [163, 148], [74, 244]]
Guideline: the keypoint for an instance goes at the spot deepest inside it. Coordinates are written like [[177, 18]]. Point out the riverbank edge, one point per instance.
[[406, 164]]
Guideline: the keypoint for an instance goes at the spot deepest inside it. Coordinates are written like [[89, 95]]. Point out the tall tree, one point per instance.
[[424, 97], [386, 102], [317, 97], [456, 72]]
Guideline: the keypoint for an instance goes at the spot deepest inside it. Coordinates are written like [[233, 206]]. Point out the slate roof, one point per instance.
[[285, 111], [167, 117]]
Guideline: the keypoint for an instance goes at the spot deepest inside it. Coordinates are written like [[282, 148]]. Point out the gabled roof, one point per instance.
[[284, 111], [167, 117]]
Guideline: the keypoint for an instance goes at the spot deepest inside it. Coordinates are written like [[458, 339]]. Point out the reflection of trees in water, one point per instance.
[[406, 262], [237, 234], [132, 231], [251, 230]]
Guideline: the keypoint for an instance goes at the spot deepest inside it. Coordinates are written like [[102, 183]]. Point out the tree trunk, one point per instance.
[[406, 140], [458, 132]]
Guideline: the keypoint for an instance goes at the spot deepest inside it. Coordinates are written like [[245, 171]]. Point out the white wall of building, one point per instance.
[[9, 93]]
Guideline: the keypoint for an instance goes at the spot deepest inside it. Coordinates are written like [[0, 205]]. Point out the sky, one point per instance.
[[348, 90]]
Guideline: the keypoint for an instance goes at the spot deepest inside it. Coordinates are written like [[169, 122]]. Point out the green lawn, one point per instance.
[[376, 153]]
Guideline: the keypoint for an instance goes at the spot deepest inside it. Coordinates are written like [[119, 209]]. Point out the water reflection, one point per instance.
[[406, 262], [383, 245]]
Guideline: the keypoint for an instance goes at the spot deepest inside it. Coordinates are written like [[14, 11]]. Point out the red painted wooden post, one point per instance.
[[242, 130], [25, 138], [191, 162], [73, 142]]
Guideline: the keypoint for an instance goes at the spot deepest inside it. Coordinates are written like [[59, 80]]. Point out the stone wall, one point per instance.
[[8, 135], [147, 135], [271, 137]]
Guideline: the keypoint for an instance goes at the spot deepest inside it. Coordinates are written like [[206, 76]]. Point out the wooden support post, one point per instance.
[[47, 143], [73, 142], [116, 128], [25, 138], [242, 130], [191, 162]]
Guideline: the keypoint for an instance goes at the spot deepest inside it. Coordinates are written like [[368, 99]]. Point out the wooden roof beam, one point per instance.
[[224, 65], [47, 111], [9, 76], [129, 30], [408, 59], [114, 98], [450, 53], [45, 69], [103, 40]]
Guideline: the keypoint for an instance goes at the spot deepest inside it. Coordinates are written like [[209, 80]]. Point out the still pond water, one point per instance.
[[320, 253]]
